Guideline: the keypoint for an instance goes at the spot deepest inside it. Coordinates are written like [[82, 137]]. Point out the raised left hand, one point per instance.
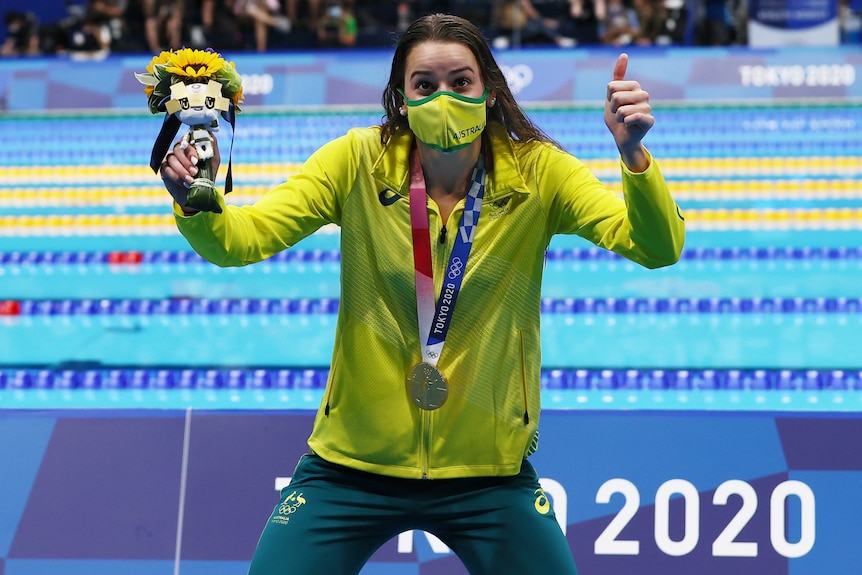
[[627, 111]]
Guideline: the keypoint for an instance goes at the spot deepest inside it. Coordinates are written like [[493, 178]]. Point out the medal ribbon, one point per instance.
[[434, 320]]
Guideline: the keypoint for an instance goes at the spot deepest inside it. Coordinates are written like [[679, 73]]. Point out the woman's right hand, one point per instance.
[[179, 168]]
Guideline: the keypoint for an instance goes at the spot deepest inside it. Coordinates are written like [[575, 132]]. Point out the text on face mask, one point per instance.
[[468, 131]]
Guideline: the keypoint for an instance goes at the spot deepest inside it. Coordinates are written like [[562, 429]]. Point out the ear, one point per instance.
[[492, 99]]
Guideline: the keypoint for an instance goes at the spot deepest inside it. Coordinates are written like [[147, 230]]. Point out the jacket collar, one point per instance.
[[391, 169]]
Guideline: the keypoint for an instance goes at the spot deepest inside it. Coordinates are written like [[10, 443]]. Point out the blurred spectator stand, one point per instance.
[[337, 27], [714, 23], [262, 16], [850, 21], [532, 22], [620, 26], [90, 37], [163, 24], [304, 14], [586, 15], [22, 34], [275, 25], [112, 13]]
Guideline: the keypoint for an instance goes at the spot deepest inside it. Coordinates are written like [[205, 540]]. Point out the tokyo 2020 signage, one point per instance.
[[152, 491]]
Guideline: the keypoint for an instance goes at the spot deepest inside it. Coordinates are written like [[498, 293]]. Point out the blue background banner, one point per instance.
[[357, 78], [636, 492]]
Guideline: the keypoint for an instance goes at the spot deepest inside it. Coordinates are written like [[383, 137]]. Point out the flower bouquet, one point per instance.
[[193, 87]]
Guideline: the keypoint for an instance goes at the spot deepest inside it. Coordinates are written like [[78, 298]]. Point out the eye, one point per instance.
[[184, 103], [423, 86], [209, 102]]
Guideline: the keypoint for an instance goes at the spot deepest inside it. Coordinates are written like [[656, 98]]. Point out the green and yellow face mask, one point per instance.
[[447, 121]]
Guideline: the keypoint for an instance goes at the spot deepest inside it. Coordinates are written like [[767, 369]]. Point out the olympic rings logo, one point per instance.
[[455, 268], [285, 509], [518, 76]]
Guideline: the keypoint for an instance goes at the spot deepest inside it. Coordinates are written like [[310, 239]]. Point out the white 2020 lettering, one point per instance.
[[254, 84], [725, 545]]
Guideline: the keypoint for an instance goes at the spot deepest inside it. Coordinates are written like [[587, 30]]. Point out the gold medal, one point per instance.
[[427, 386]]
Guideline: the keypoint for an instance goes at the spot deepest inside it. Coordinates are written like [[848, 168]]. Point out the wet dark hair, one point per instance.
[[449, 28]]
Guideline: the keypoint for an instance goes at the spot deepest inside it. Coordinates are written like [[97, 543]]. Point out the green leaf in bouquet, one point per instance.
[[146, 79]]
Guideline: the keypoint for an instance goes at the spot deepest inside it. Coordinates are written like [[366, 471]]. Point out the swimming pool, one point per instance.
[[98, 291]]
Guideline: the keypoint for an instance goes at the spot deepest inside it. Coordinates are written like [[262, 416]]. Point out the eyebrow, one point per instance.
[[450, 73]]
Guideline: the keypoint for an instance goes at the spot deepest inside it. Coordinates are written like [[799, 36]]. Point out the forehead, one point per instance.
[[440, 58]]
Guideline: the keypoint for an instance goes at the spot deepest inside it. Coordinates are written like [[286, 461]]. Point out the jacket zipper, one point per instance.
[[425, 444]]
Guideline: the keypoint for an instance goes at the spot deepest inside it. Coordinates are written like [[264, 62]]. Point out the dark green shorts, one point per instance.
[[331, 519]]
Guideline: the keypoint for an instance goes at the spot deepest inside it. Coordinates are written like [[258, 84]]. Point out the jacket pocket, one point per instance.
[[330, 385], [523, 349]]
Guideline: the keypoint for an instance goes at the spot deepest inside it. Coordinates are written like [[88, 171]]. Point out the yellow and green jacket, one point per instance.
[[492, 355]]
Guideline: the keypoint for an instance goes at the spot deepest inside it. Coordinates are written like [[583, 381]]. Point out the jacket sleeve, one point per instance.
[[282, 217], [645, 226]]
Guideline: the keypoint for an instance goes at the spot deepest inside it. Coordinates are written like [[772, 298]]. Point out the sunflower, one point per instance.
[[187, 65], [162, 58], [194, 64]]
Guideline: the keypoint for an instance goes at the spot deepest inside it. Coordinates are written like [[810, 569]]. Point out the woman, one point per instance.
[[412, 435]]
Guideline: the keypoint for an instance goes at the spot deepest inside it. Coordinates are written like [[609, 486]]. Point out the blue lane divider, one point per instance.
[[304, 306], [180, 306], [334, 255], [150, 257], [707, 379], [814, 305], [316, 378], [721, 253], [137, 378]]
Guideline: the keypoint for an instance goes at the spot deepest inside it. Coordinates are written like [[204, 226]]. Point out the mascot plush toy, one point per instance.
[[195, 88]]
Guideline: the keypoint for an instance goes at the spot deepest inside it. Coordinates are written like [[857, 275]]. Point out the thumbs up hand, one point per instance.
[[627, 116]]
